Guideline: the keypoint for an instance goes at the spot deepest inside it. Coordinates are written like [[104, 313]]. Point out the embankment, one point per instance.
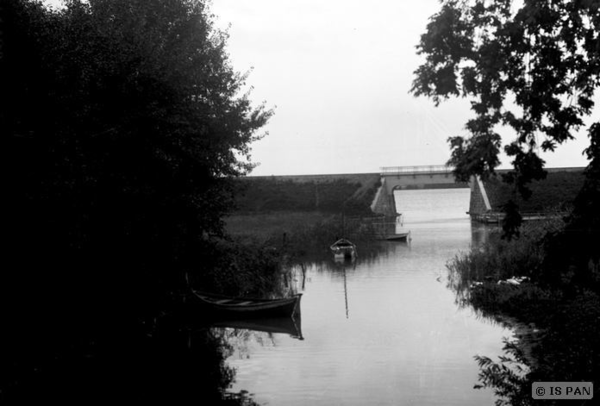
[[303, 213], [351, 194], [548, 195]]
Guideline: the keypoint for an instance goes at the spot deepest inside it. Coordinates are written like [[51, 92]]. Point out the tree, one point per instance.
[[122, 122], [532, 67]]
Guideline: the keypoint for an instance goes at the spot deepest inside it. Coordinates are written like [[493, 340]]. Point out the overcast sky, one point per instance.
[[338, 73]]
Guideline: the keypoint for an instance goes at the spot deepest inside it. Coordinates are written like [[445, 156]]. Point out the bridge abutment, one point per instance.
[[384, 202], [479, 202]]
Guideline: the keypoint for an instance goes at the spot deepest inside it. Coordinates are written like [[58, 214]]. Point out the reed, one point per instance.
[[242, 268], [559, 324], [259, 253], [267, 226], [301, 234], [499, 259]]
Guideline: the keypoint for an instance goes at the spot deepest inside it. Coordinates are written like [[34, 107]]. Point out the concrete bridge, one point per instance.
[[481, 205], [411, 177], [486, 198]]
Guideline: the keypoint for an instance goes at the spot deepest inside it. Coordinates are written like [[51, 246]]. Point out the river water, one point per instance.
[[381, 331]]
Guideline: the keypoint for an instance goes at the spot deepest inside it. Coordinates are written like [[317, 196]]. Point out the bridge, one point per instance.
[[410, 177], [486, 197], [482, 199], [418, 177]]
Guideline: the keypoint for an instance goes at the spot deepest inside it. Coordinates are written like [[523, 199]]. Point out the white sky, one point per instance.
[[338, 73]]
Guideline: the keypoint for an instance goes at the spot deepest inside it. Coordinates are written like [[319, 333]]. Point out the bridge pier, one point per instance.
[[479, 202], [384, 202]]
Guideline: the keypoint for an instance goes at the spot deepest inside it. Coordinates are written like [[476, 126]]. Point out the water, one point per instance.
[[381, 332]]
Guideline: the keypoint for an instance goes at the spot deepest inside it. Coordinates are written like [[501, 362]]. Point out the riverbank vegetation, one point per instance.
[[553, 194], [351, 196], [123, 125], [300, 235], [556, 317], [304, 217]]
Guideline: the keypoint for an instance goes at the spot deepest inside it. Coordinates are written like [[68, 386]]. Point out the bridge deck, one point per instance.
[[411, 170]]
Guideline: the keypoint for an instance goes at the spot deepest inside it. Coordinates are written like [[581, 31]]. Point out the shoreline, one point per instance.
[[527, 336]]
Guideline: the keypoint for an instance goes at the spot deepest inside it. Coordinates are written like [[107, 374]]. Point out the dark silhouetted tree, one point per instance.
[[122, 124], [531, 66]]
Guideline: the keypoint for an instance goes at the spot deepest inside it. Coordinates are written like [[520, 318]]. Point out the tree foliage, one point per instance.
[[122, 124], [532, 66]]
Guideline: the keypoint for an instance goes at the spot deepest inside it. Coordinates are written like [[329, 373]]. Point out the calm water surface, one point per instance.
[[384, 331]]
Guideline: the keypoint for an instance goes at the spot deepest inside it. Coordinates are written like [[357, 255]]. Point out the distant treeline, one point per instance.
[[334, 196], [556, 192]]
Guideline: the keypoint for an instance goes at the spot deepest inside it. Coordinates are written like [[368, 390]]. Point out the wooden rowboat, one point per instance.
[[238, 307], [396, 237], [343, 248]]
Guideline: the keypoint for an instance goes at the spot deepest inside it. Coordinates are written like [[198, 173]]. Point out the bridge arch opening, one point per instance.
[[422, 205]]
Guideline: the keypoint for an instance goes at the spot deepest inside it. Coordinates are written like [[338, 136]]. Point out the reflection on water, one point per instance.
[[383, 330], [282, 325]]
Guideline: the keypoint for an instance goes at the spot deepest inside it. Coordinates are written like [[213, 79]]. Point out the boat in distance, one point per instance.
[[343, 248], [396, 237], [242, 307]]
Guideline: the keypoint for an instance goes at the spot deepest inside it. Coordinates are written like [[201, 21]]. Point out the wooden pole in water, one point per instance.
[[345, 291], [303, 267]]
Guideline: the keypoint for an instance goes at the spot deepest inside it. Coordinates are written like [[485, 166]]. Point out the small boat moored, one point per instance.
[[396, 237], [220, 306], [343, 248]]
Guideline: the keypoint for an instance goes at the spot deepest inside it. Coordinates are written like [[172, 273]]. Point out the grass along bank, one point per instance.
[[557, 322], [302, 235], [282, 221], [303, 215], [351, 194], [270, 226]]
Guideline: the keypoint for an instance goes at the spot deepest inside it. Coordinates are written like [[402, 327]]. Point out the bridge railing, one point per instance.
[[408, 170]]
